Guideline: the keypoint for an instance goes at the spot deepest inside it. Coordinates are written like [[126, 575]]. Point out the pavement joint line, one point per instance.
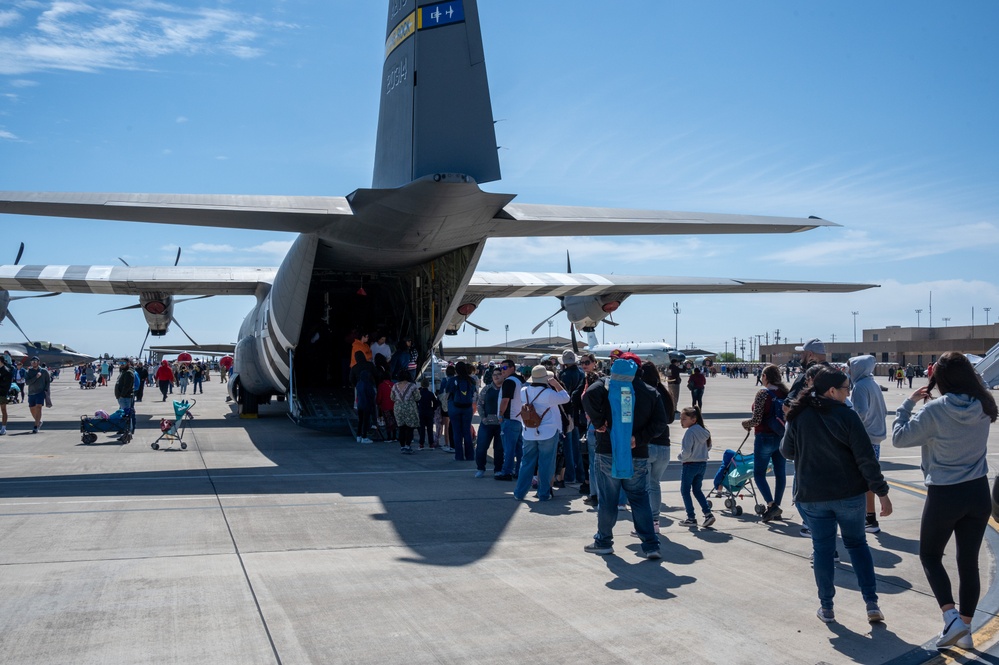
[[239, 555], [229, 476]]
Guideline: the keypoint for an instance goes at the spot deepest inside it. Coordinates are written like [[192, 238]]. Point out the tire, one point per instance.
[[760, 509], [710, 505], [155, 446], [183, 446], [730, 503], [738, 511]]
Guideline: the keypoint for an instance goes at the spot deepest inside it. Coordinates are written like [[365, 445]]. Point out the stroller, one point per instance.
[[174, 429], [119, 422], [736, 475], [13, 395]]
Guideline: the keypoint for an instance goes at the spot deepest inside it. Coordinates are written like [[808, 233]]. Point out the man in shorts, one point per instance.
[[37, 379]]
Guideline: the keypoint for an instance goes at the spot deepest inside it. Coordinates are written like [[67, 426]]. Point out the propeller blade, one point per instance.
[[19, 253], [124, 261], [572, 333], [610, 322], [560, 310], [121, 309], [41, 295], [177, 323], [11, 318], [177, 260], [143, 347], [476, 326], [568, 263], [195, 298]]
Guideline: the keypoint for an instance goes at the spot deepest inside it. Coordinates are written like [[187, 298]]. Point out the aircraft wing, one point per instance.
[[301, 214], [517, 220], [531, 284], [123, 280]]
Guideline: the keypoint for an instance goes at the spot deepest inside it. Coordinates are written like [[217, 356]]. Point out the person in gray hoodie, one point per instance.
[[952, 432], [869, 404]]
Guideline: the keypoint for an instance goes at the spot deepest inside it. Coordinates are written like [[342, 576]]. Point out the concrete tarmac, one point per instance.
[[267, 543]]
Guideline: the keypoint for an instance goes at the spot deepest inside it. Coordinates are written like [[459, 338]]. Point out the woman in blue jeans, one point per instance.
[[545, 394], [835, 466], [766, 444]]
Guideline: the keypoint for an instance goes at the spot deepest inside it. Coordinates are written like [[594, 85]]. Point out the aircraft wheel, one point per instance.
[[156, 446]]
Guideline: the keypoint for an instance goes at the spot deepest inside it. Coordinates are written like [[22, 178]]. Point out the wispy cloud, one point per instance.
[[7, 136], [77, 36]]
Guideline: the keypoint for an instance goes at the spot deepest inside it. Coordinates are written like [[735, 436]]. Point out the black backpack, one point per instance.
[[463, 398]]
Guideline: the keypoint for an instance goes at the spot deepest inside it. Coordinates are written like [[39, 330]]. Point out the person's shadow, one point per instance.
[[650, 578], [868, 648]]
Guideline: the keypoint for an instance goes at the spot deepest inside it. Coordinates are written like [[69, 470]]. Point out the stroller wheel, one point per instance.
[[156, 446], [760, 509], [730, 503], [710, 505], [737, 511], [183, 446]]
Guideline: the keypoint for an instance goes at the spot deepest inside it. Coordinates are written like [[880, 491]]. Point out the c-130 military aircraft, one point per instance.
[[435, 145]]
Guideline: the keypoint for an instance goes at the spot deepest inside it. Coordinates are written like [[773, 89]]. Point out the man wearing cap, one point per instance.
[[511, 428], [6, 379], [124, 389], [37, 380], [648, 420], [572, 377], [812, 352]]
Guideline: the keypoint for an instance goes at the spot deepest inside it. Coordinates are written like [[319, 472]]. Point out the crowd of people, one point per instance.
[[608, 431]]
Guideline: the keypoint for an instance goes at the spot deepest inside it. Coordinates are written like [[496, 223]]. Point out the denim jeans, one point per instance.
[[513, 445], [542, 453], [691, 476], [591, 449], [637, 490], [658, 461], [489, 434], [822, 518], [697, 398], [461, 430], [766, 449], [573, 457]]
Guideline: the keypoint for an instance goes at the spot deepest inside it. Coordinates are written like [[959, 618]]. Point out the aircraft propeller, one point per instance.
[[572, 326], [6, 299]]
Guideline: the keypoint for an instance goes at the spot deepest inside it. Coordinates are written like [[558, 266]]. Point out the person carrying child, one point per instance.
[[694, 458]]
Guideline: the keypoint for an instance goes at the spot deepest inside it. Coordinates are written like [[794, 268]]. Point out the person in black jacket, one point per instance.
[[648, 421], [6, 379], [834, 466], [659, 445]]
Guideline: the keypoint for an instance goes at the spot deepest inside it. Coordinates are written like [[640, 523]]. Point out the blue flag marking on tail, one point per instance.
[[441, 14]]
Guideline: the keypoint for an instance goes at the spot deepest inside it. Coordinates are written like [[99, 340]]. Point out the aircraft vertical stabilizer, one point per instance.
[[435, 114]]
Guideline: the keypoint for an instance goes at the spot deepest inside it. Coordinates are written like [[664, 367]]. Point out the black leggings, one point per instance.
[[405, 436], [962, 510]]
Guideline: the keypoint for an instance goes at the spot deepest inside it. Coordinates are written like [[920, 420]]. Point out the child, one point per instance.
[[694, 457]]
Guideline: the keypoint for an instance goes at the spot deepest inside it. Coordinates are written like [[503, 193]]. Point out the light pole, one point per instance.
[[987, 310], [855, 325], [550, 324], [676, 324], [918, 312], [946, 320], [507, 327]]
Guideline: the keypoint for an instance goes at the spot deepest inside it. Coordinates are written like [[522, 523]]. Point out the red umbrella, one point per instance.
[[226, 361], [184, 357]]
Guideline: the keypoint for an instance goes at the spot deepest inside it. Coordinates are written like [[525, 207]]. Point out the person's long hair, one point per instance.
[[953, 373], [695, 413], [649, 374], [825, 379], [772, 374]]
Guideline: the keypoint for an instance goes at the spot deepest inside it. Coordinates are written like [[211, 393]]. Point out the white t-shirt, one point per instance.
[[544, 397]]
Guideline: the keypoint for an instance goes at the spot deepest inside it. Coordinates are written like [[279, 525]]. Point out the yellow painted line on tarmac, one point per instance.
[[989, 629]]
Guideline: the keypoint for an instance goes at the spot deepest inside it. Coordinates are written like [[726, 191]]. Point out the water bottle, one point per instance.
[[627, 404]]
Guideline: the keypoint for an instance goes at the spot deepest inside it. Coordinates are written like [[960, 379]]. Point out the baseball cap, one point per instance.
[[812, 346]]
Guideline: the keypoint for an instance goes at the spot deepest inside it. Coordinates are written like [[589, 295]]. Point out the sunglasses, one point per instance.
[[585, 362]]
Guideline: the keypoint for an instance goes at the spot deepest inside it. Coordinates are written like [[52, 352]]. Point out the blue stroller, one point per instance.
[[120, 422], [174, 429], [735, 479]]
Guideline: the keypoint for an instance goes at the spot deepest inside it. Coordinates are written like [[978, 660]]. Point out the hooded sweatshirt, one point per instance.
[[867, 399], [953, 432]]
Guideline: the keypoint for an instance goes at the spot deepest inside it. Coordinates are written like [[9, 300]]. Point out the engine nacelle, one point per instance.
[[586, 312], [157, 307]]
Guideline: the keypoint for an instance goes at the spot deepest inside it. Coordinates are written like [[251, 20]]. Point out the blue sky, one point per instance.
[[877, 116]]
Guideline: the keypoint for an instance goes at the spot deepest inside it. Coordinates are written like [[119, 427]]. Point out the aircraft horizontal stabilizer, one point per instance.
[[299, 214], [533, 284], [530, 220]]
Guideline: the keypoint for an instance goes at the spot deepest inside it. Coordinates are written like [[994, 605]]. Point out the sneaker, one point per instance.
[[966, 642], [3, 430], [584, 489], [622, 506], [366, 440], [652, 555], [872, 524], [480, 474], [591, 500], [805, 532], [825, 615], [34, 430], [709, 519], [690, 521], [874, 613], [503, 476], [772, 512], [358, 439], [597, 549], [405, 451], [954, 629]]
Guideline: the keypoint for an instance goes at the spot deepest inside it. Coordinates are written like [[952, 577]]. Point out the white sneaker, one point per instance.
[[954, 629], [3, 430], [366, 440], [966, 642]]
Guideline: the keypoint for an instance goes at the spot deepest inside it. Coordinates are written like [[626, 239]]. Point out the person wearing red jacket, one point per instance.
[[164, 376]]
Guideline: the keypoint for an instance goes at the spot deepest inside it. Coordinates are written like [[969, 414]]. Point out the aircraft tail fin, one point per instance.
[[435, 114], [591, 340]]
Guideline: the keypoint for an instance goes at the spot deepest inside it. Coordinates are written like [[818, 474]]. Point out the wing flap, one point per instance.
[[524, 220], [122, 280], [534, 284], [301, 214]]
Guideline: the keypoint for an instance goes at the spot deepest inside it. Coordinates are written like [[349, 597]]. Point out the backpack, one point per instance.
[[529, 415], [774, 418], [463, 398]]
